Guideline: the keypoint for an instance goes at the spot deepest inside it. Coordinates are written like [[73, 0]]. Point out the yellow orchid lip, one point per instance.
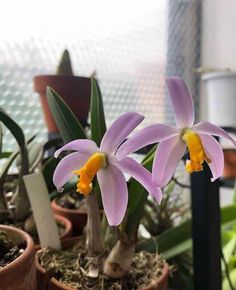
[[87, 173], [196, 151]]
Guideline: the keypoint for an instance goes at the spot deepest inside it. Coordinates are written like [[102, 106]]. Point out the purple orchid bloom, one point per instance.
[[89, 160], [175, 140]]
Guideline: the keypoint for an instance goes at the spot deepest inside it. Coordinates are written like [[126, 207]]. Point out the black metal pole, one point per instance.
[[206, 231]]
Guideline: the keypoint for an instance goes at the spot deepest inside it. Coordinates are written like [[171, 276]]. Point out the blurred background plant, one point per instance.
[[29, 157]]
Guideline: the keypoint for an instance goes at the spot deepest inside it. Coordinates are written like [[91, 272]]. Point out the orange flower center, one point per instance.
[[88, 171], [196, 151]]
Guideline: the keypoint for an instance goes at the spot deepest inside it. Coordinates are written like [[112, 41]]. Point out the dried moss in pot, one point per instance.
[[8, 251], [71, 266]]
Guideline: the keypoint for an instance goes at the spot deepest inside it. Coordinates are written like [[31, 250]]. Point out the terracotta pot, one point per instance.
[[68, 226], [68, 232], [43, 278], [20, 274], [77, 217], [74, 90], [45, 283], [161, 283], [230, 164]]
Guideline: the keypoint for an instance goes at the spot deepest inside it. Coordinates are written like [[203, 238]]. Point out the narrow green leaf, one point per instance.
[[232, 275], [181, 235], [67, 124], [14, 128], [229, 249], [97, 122], [1, 137], [48, 170], [6, 167], [35, 152], [137, 199], [5, 155], [177, 250]]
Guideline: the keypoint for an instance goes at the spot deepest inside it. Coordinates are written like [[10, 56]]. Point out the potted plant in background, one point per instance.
[[75, 91], [15, 208], [17, 260]]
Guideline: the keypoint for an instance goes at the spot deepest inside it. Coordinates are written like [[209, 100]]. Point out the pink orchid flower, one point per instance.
[[175, 140], [89, 161]]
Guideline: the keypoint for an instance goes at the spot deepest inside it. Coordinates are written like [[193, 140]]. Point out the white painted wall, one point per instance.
[[218, 39], [218, 48], [219, 34]]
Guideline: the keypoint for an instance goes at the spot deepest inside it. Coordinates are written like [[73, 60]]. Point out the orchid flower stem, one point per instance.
[[94, 238], [21, 200], [4, 213], [3, 203]]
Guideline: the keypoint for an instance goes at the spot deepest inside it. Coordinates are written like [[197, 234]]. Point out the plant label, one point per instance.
[[42, 211]]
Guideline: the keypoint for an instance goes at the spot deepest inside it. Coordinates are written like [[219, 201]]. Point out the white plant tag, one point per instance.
[[42, 211]]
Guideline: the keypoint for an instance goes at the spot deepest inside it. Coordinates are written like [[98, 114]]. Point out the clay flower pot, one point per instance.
[[74, 90], [230, 164], [20, 274], [47, 283], [68, 226], [78, 218]]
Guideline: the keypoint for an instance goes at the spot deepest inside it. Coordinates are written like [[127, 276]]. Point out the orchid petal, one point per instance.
[[81, 145], [215, 154], [149, 135], [168, 155], [141, 174], [182, 102], [210, 129], [119, 130], [114, 193], [65, 168]]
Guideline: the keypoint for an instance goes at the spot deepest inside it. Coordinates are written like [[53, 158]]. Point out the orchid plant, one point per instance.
[[100, 165]]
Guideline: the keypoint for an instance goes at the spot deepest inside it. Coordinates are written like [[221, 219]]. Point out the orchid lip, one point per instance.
[[183, 131]]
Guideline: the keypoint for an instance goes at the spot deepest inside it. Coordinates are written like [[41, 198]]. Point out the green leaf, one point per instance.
[[1, 137], [6, 167], [137, 199], [35, 152], [48, 170], [177, 250], [232, 275], [14, 128], [97, 121], [178, 239], [5, 155], [67, 124]]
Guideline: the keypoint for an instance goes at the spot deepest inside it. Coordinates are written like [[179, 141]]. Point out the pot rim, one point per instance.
[[66, 210], [66, 222], [216, 75], [29, 250], [54, 76]]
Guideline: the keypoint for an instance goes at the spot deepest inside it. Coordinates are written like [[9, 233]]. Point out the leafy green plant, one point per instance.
[[27, 157], [65, 67]]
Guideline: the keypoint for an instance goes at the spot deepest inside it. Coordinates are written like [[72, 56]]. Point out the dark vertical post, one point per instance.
[[206, 231]]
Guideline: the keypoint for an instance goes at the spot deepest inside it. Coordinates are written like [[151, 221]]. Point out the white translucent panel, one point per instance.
[[123, 41]]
